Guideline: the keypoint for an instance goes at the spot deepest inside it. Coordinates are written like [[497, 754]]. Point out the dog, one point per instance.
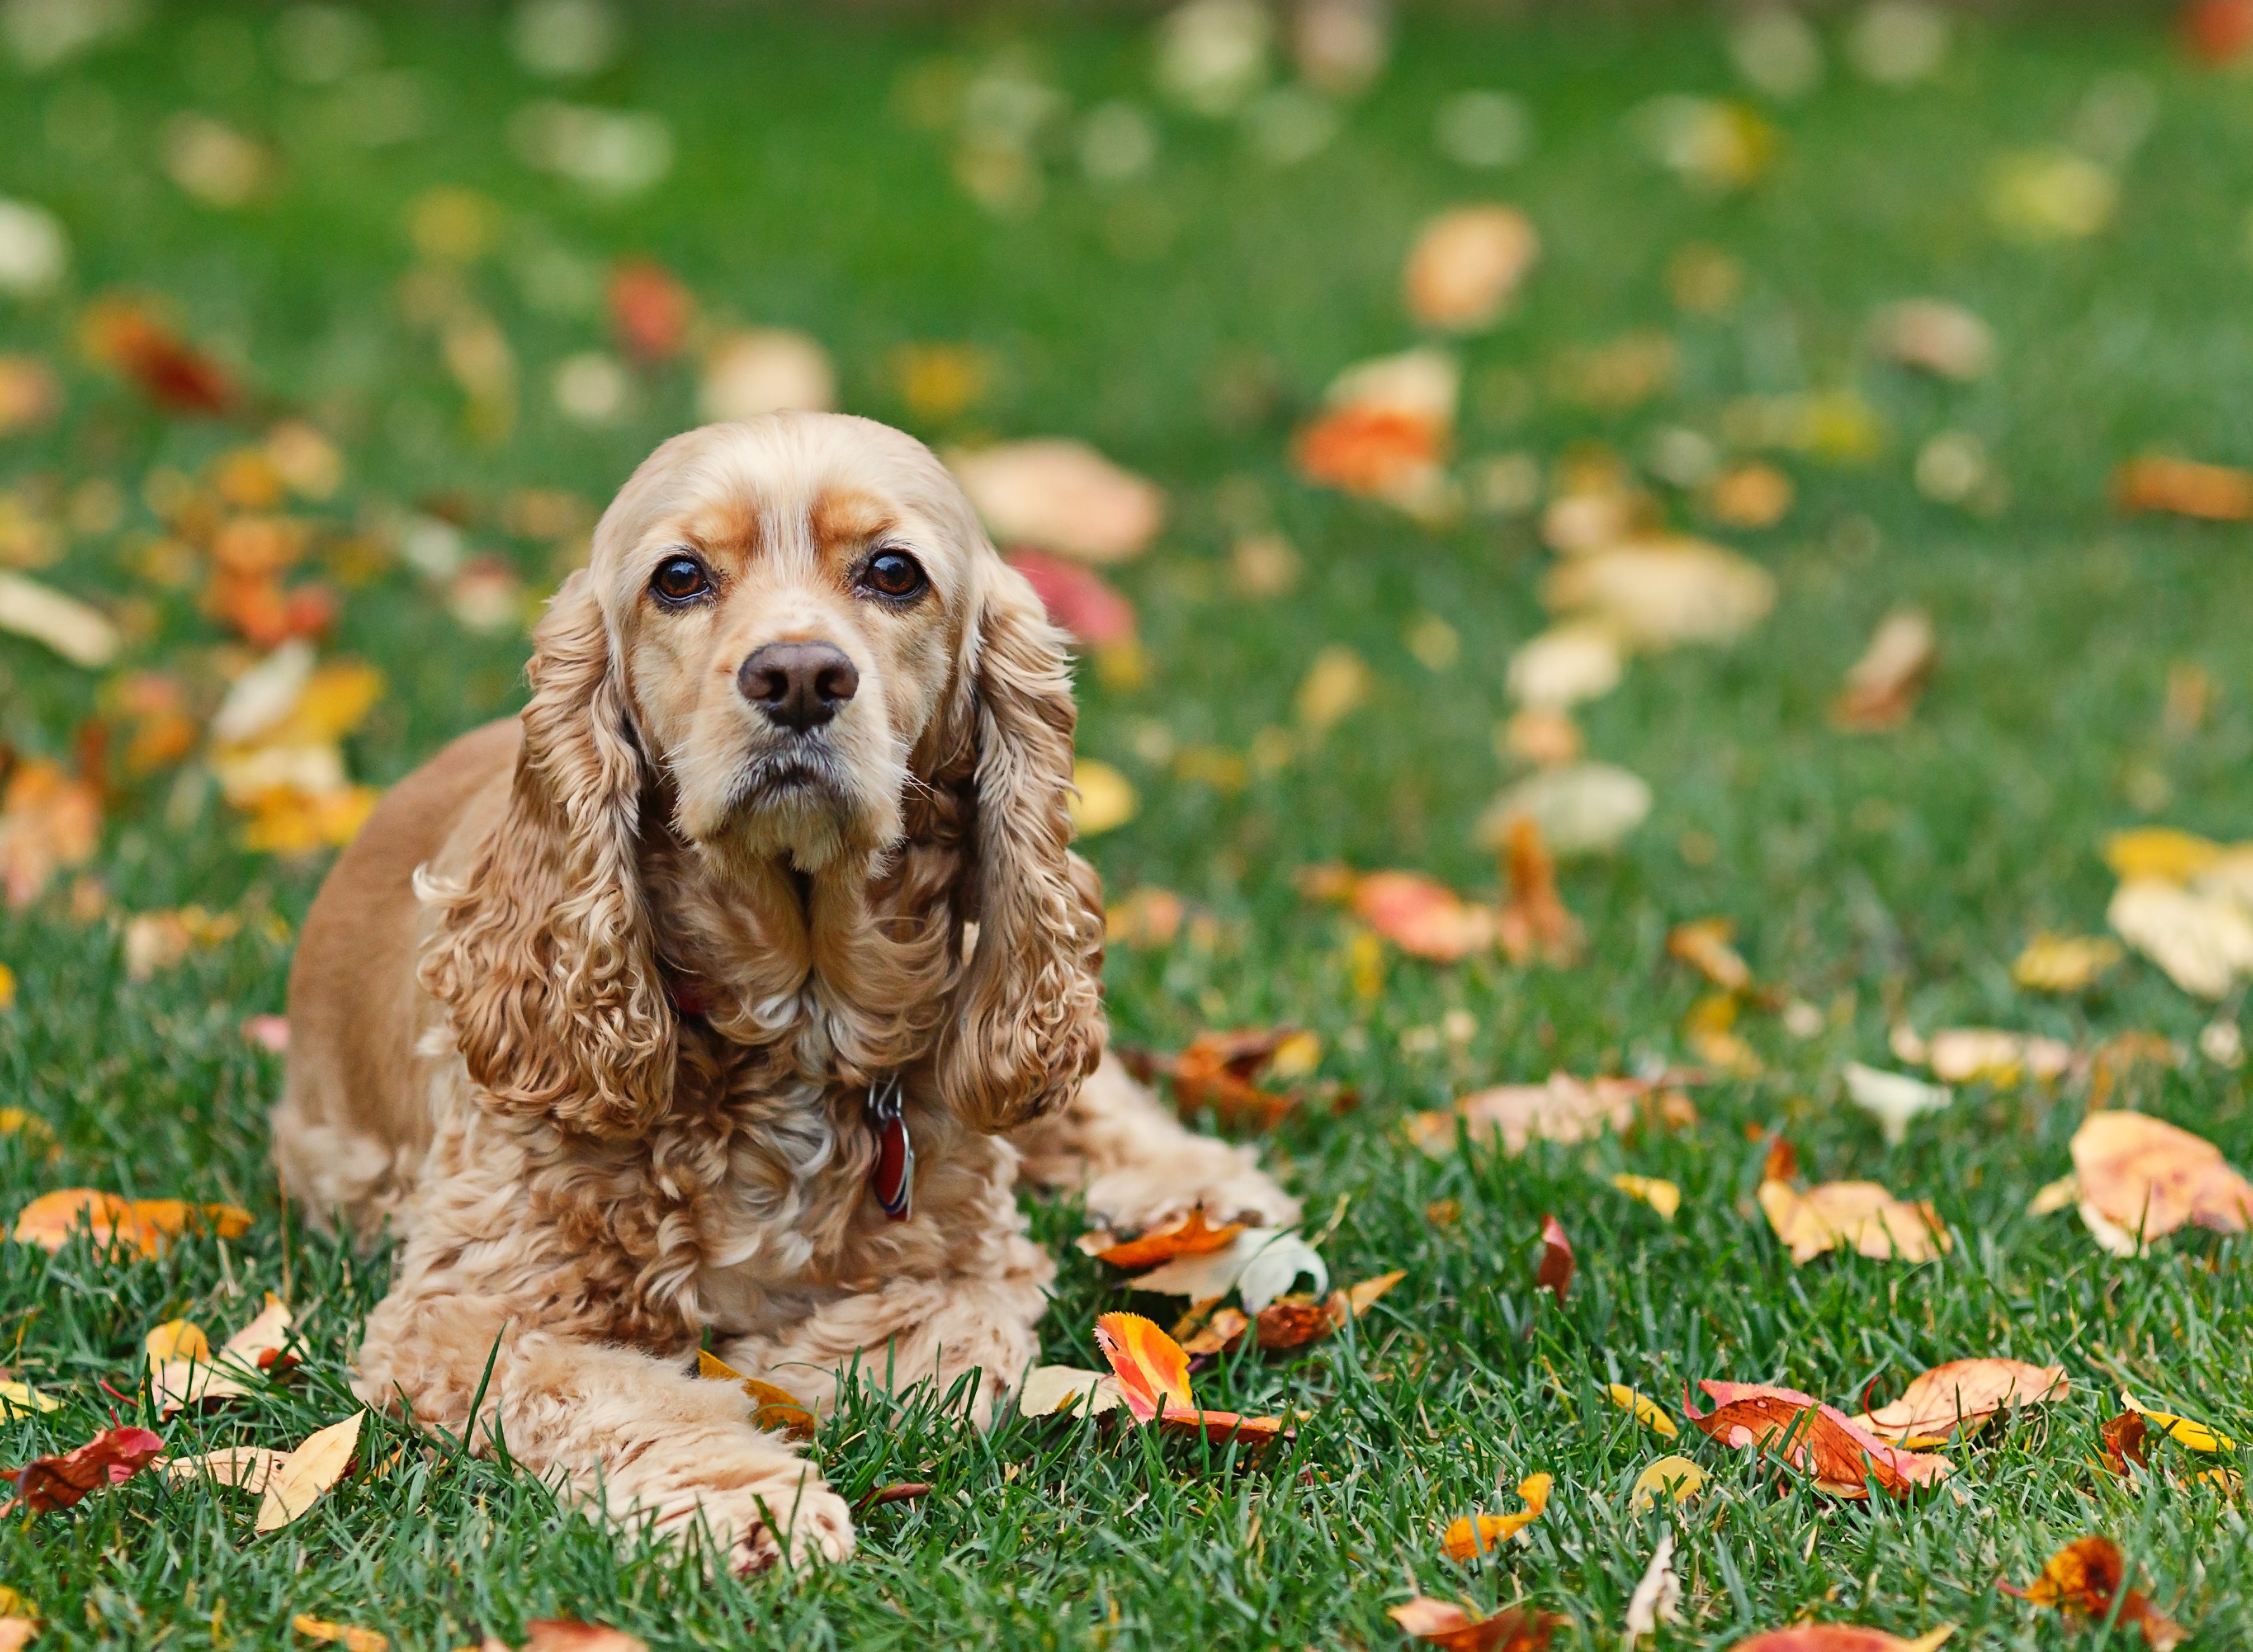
[[729, 995]]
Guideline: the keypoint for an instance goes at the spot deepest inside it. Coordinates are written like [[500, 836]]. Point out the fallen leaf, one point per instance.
[[2088, 1577], [1884, 685], [1714, 145], [1675, 1479], [1337, 683], [1662, 591], [1534, 922], [1386, 430], [2181, 1430], [1556, 1273], [48, 822], [2202, 939], [1565, 1109], [1061, 496], [778, 1408], [1190, 1236], [1660, 1195], [1988, 1054], [1218, 1071], [2065, 963], [650, 311], [1940, 339], [2147, 1177], [299, 1479], [1858, 1214], [111, 1458], [765, 370], [245, 1467], [1566, 664], [1818, 1439], [1078, 599], [1893, 1099], [2052, 1196], [124, 337], [1751, 495], [1648, 1412], [1657, 1597], [343, 1635], [2210, 492], [1213, 1274], [2125, 1437], [2219, 31], [1152, 1374], [182, 1371], [1841, 1637], [1474, 1536], [1704, 945], [2050, 194], [569, 1635], [139, 1227], [80, 633], [1466, 265], [1421, 916], [1440, 1623], [1961, 1394], [1222, 1332], [1102, 799], [1050, 1389], [22, 1399]]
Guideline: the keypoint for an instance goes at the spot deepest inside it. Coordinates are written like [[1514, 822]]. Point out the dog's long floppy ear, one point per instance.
[[543, 955], [1027, 1022]]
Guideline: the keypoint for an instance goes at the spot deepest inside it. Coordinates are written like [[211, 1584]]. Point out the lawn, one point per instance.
[[1184, 319]]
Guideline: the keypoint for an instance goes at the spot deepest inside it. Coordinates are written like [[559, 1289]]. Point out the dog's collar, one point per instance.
[[891, 1178]]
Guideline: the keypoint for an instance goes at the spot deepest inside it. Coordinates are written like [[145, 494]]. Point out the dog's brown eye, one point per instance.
[[679, 579], [893, 574]]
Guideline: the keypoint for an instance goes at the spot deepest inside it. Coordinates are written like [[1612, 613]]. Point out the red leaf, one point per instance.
[[1556, 1273], [109, 1459], [2085, 1577], [650, 311], [1078, 599], [1818, 1439], [172, 374], [2219, 31]]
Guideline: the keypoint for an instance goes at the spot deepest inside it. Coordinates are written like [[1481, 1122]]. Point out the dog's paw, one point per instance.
[[813, 1523], [1225, 1182]]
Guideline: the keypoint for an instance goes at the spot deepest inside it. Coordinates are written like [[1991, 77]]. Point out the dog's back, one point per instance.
[[355, 1116]]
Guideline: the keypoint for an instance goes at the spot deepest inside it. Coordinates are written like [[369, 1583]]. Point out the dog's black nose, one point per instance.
[[797, 684]]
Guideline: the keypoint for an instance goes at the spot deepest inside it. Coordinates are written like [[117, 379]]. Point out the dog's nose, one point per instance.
[[797, 684]]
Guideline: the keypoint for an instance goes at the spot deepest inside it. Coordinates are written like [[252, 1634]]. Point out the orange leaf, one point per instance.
[[1217, 1070], [1375, 451], [124, 336], [343, 1635], [1816, 1438], [1190, 1236], [109, 1459], [1421, 916], [2125, 1440], [1470, 1537], [1154, 1374], [1441, 1623], [2149, 1177], [2210, 492], [778, 1409], [1840, 1637], [1704, 945], [2085, 1577], [1534, 922], [1884, 685], [140, 1227], [1964, 1392], [1556, 1273], [650, 311], [569, 1635]]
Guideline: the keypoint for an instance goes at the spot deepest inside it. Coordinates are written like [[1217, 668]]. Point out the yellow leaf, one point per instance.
[[2161, 853], [1659, 1194], [176, 1339], [302, 1476], [1338, 682], [1470, 1537], [7, 998], [244, 1468], [2181, 1430], [1103, 798], [2065, 963], [1675, 1479], [22, 1397], [139, 1227], [778, 1409], [1647, 1410], [342, 1635]]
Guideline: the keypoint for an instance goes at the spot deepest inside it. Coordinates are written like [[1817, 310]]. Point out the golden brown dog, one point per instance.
[[734, 991]]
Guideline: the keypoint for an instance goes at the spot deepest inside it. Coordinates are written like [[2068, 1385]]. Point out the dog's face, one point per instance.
[[790, 600]]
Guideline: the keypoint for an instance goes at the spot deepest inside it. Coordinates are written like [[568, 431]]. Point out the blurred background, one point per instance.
[[1617, 465]]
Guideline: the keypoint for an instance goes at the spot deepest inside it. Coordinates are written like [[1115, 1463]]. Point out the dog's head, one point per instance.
[[791, 631]]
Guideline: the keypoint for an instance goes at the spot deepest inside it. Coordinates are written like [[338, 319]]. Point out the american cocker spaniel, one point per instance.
[[731, 991]]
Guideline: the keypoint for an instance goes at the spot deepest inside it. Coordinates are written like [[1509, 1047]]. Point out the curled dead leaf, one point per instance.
[[2143, 1176], [1220, 1070], [1861, 1216], [1819, 1441], [1470, 1537], [1555, 1272], [776, 1408], [1534, 922], [111, 1458], [1961, 1394], [1883, 686], [1153, 1372], [138, 1227], [343, 1635], [2088, 1577], [1442, 1623]]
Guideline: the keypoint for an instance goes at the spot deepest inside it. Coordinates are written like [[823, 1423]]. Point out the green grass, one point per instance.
[[1881, 878]]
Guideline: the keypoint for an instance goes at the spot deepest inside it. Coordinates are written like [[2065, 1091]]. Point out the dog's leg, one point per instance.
[[630, 1434], [1139, 1167], [913, 1330]]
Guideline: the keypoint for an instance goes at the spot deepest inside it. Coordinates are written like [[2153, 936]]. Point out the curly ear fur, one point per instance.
[[541, 955], [1027, 1022]]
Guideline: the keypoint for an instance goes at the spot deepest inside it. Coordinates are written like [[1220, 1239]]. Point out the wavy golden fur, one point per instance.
[[606, 1077]]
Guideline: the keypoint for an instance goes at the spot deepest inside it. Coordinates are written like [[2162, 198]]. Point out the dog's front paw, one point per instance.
[[1225, 1182], [813, 1521], [760, 1507]]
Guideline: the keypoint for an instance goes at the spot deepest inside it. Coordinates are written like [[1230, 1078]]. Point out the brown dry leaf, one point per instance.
[[1466, 265], [2210, 492], [1555, 1272], [1190, 1236], [139, 1227], [1048, 1389], [1841, 1637], [1860, 1215], [1704, 945], [2065, 963], [48, 822], [2087, 1577], [1061, 496], [2141, 1175], [1442, 1623], [1565, 1110], [778, 1408], [1961, 1394], [244, 1468], [1220, 1332], [296, 1482], [2125, 1443], [1818, 1439], [1471, 1536], [1218, 1069], [1534, 922], [1884, 685], [2197, 1436], [1660, 591], [111, 1458], [128, 339], [1421, 916], [343, 1635], [1291, 1321]]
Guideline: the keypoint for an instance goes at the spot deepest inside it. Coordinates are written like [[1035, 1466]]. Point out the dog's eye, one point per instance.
[[893, 574], [680, 579]]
